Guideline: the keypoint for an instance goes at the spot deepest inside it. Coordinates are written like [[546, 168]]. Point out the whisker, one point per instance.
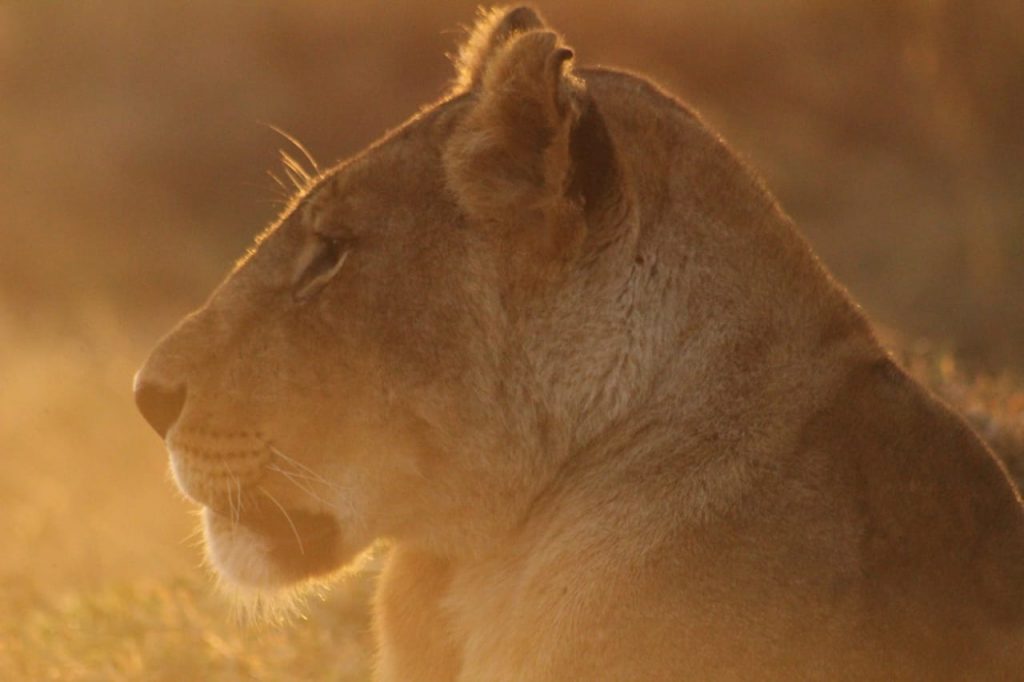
[[298, 145], [287, 516], [289, 161], [299, 465], [235, 513], [285, 192], [291, 479], [310, 479], [241, 497], [231, 501], [299, 179]]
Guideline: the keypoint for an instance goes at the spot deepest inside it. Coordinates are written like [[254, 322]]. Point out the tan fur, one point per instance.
[[615, 419]]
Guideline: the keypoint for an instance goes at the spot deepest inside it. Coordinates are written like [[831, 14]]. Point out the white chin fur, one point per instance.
[[241, 556]]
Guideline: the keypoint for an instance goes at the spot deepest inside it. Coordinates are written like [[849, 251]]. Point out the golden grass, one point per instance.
[[175, 630]]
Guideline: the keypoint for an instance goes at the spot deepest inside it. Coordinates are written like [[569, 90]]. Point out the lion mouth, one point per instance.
[[299, 543], [253, 536]]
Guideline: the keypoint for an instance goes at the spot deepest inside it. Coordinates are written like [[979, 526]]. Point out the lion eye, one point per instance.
[[329, 255]]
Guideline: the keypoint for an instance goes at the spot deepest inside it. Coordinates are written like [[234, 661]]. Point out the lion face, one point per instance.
[[303, 404], [376, 366]]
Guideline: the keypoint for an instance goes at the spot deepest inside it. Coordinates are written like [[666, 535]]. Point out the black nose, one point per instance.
[[160, 405]]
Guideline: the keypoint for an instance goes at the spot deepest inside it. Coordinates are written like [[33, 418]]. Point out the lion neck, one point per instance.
[[700, 355], [671, 344]]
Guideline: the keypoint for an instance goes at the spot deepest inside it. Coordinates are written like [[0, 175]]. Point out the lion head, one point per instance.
[[409, 347]]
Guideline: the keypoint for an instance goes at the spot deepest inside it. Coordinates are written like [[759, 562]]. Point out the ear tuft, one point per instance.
[[493, 29], [509, 161], [531, 65]]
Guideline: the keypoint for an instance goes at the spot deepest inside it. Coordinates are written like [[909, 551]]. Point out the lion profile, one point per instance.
[[564, 352]]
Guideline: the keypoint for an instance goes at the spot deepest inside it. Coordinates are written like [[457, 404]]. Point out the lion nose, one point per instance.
[[160, 405]]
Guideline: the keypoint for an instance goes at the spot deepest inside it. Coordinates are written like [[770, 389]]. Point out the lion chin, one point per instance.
[[266, 549]]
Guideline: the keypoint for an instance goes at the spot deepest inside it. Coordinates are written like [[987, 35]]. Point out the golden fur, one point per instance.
[[554, 342]]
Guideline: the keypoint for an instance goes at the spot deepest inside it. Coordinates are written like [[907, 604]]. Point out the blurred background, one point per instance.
[[135, 145]]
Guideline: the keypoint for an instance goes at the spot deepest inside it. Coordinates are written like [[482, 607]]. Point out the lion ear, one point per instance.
[[492, 30], [509, 157]]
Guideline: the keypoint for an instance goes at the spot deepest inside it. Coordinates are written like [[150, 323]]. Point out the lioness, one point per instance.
[[564, 351]]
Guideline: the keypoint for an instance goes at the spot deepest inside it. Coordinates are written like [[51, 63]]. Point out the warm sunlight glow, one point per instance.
[[145, 145]]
